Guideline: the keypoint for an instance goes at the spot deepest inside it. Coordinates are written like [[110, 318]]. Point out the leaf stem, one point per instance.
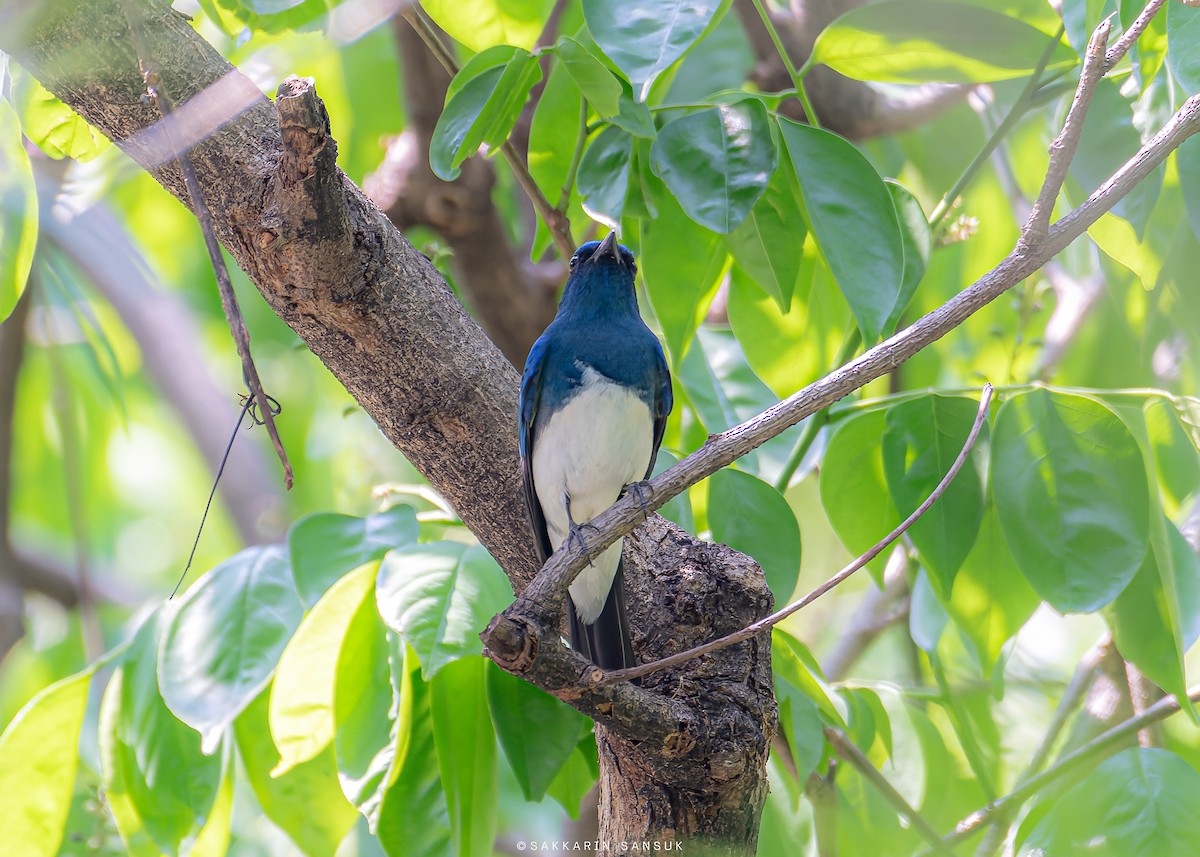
[[565, 199], [796, 75]]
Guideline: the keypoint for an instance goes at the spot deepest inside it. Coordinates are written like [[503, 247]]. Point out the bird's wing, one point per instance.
[[531, 391], [663, 401]]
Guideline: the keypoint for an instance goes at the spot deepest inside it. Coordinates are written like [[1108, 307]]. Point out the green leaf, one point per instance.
[[438, 597], [633, 115], [54, 127], [537, 731], [1183, 46], [926, 41], [853, 218], [324, 546], [1176, 459], [222, 643], [800, 722], [466, 754], [483, 103], [927, 618], [792, 662], [553, 133], [160, 786], [305, 801], [645, 39], [789, 350], [752, 517], [39, 752], [917, 242], [1141, 801], [769, 243], [274, 16], [603, 178], [854, 488], [1070, 490], [414, 820], [595, 81], [481, 24], [717, 162], [18, 211], [1142, 621], [577, 776], [362, 702], [990, 601], [682, 263], [301, 706], [922, 439]]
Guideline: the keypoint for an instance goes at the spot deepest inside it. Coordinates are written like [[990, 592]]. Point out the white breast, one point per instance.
[[588, 451]]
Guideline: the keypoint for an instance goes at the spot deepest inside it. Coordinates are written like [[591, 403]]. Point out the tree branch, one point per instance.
[[839, 578]]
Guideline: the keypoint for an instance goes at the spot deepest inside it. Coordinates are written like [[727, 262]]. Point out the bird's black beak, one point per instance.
[[608, 247]]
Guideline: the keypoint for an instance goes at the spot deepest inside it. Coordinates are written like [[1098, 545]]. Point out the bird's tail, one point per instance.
[[605, 642]]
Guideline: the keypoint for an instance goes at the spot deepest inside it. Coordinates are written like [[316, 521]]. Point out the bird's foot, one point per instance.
[[638, 489], [575, 533]]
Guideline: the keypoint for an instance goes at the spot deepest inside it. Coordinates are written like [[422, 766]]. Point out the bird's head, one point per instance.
[[606, 254]]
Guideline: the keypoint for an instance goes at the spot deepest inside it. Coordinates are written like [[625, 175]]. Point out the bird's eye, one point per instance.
[[574, 261]]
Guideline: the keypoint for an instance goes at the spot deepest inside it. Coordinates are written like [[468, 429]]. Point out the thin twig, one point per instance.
[[156, 90], [855, 758], [1019, 108], [555, 220], [1062, 150], [1161, 710], [1125, 42], [778, 616]]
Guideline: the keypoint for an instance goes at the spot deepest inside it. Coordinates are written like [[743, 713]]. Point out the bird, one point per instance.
[[594, 400]]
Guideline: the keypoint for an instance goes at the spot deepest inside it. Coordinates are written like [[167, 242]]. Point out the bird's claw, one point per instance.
[[575, 533], [638, 489]]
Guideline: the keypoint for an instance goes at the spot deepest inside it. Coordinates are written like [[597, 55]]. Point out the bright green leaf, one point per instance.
[[922, 439], [537, 731], [18, 211], [854, 220], [1070, 490], [553, 133], [1183, 46], [466, 754], [682, 263], [54, 127], [483, 103], [918, 245], [480, 24], [414, 820], [223, 641], [603, 178], [595, 81], [577, 776], [769, 243], [362, 699], [305, 801], [717, 162], [161, 787], [39, 752], [324, 546], [990, 601], [438, 597], [752, 517], [854, 488], [1141, 801], [301, 705], [927, 41], [645, 39]]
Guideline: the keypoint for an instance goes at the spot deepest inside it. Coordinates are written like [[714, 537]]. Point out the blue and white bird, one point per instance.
[[595, 396]]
